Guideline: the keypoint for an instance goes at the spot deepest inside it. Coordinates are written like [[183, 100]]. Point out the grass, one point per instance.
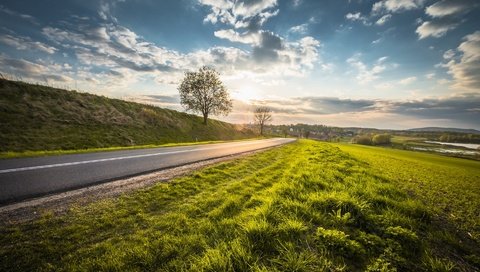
[[306, 206], [40, 118], [9, 155], [396, 139], [449, 186]]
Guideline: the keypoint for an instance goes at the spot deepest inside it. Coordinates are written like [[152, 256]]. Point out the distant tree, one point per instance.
[[307, 134], [381, 139], [362, 139], [203, 92], [262, 115], [444, 138]]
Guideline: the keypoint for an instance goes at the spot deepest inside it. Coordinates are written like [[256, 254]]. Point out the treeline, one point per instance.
[[459, 138], [372, 139]]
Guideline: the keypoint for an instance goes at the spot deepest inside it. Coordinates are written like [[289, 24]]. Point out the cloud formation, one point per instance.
[[25, 43], [357, 17], [364, 73], [268, 49], [465, 67], [26, 70], [445, 16], [384, 19], [396, 5], [436, 28], [450, 7]]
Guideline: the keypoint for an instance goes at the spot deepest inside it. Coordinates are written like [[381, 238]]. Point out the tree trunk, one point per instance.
[[261, 129], [205, 119]]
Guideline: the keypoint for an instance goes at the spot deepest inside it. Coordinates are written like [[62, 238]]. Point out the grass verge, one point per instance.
[[306, 206], [26, 154]]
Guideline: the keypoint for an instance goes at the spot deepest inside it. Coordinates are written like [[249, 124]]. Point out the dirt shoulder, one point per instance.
[[60, 203]]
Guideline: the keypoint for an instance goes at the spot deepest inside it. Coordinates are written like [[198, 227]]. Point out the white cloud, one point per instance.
[[364, 73], [450, 7], [240, 14], [234, 36], [408, 80], [445, 17], [32, 71], [448, 54], [385, 18], [269, 52], [113, 47], [357, 17], [396, 5], [301, 29], [435, 29], [465, 71], [25, 43]]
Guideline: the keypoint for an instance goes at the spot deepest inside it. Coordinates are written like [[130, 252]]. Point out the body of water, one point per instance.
[[447, 151], [470, 146]]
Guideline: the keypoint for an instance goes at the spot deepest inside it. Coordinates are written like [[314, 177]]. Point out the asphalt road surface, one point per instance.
[[25, 178]]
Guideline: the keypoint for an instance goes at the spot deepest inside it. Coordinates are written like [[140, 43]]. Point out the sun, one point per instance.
[[246, 94]]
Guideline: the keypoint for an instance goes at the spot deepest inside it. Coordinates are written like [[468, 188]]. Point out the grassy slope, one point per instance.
[[307, 206], [36, 117]]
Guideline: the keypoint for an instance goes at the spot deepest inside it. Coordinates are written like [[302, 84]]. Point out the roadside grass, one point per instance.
[[40, 118], [10, 155], [306, 206]]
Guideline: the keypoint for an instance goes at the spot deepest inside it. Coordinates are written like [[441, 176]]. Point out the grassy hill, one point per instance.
[[306, 206], [34, 117]]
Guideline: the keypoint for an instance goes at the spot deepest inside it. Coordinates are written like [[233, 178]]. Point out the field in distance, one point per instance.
[[306, 206]]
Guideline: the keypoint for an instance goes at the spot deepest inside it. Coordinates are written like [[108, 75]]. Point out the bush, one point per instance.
[[381, 139], [363, 140], [377, 139]]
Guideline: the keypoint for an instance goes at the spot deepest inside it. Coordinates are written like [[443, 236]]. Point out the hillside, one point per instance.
[[34, 117]]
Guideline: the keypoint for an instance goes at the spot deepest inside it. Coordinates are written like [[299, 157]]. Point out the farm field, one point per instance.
[[307, 206]]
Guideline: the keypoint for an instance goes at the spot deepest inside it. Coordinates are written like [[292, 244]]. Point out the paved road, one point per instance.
[[30, 177]]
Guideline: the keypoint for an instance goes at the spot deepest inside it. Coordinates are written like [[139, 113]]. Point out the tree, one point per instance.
[[381, 139], [362, 139], [203, 92], [262, 116]]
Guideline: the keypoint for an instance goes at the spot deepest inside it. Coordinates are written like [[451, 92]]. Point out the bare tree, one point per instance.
[[203, 92], [262, 115]]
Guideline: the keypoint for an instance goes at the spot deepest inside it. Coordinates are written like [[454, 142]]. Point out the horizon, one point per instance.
[[388, 64]]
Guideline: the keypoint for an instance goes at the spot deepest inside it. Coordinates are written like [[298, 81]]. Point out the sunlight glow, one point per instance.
[[246, 94]]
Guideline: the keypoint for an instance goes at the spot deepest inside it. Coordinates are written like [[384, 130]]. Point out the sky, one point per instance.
[[394, 64]]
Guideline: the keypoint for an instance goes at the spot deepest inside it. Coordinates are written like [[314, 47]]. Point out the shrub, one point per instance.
[[381, 139], [362, 139]]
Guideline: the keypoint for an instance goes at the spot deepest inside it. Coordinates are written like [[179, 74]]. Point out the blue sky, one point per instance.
[[373, 63]]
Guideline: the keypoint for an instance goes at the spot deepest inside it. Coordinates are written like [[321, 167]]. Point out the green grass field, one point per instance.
[[306, 206]]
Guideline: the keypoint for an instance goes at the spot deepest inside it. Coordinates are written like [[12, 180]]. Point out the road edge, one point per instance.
[[61, 202]]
